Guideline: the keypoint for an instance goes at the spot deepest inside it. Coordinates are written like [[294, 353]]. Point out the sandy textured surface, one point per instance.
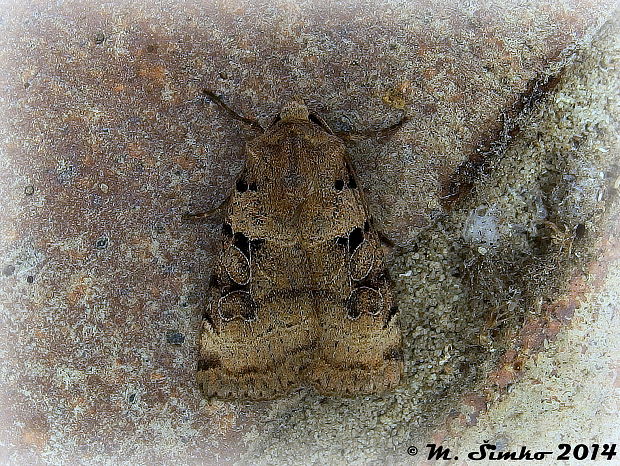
[[569, 393], [105, 142]]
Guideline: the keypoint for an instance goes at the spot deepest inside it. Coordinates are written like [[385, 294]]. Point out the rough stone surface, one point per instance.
[[105, 142]]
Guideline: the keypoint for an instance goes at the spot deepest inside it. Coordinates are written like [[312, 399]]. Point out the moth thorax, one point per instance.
[[294, 110]]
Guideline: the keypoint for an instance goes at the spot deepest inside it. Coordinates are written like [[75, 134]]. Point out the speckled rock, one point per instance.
[[105, 141]]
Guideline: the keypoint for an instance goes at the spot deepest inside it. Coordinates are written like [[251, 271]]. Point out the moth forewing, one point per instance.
[[302, 296]]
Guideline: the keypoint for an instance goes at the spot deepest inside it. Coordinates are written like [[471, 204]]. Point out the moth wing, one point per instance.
[[258, 334], [359, 347], [254, 345]]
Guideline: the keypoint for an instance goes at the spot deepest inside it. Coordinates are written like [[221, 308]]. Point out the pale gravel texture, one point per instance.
[[570, 392]]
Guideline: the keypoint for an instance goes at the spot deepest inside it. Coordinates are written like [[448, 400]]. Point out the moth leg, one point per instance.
[[382, 133], [216, 214], [254, 124], [385, 240]]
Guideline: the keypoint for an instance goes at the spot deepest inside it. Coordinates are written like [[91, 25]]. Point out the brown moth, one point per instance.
[[301, 295]]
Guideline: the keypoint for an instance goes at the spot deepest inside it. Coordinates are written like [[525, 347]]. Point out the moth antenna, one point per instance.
[[382, 133], [385, 240], [254, 124]]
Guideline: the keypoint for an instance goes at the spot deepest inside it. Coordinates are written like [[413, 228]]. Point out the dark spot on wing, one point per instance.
[[206, 317], [314, 119], [227, 230], [342, 241], [356, 237], [249, 313], [394, 354], [175, 338], [241, 185], [242, 242], [256, 244], [391, 314], [209, 362], [275, 120], [214, 280], [229, 288], [580, 231], [353, 310], [238, 304]]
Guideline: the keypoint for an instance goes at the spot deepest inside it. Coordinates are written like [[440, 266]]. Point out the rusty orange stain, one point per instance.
[[422, 49], [88, 159], [84, 183], [157, 73], [77, 402], [78, 290], [186, 163], [503, 376], [35, 437], [495, 42], [136, 150], [157, 377], [429, 73], [10, 234], [476, 401], [311, 60], [457, 98], [398, 95], [227, 422], [75, 254]]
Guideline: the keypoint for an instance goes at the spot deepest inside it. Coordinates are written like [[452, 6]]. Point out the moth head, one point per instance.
[[294, 110], [297, 110]]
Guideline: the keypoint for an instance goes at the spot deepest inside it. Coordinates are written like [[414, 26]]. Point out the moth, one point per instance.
[[300, 296]]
